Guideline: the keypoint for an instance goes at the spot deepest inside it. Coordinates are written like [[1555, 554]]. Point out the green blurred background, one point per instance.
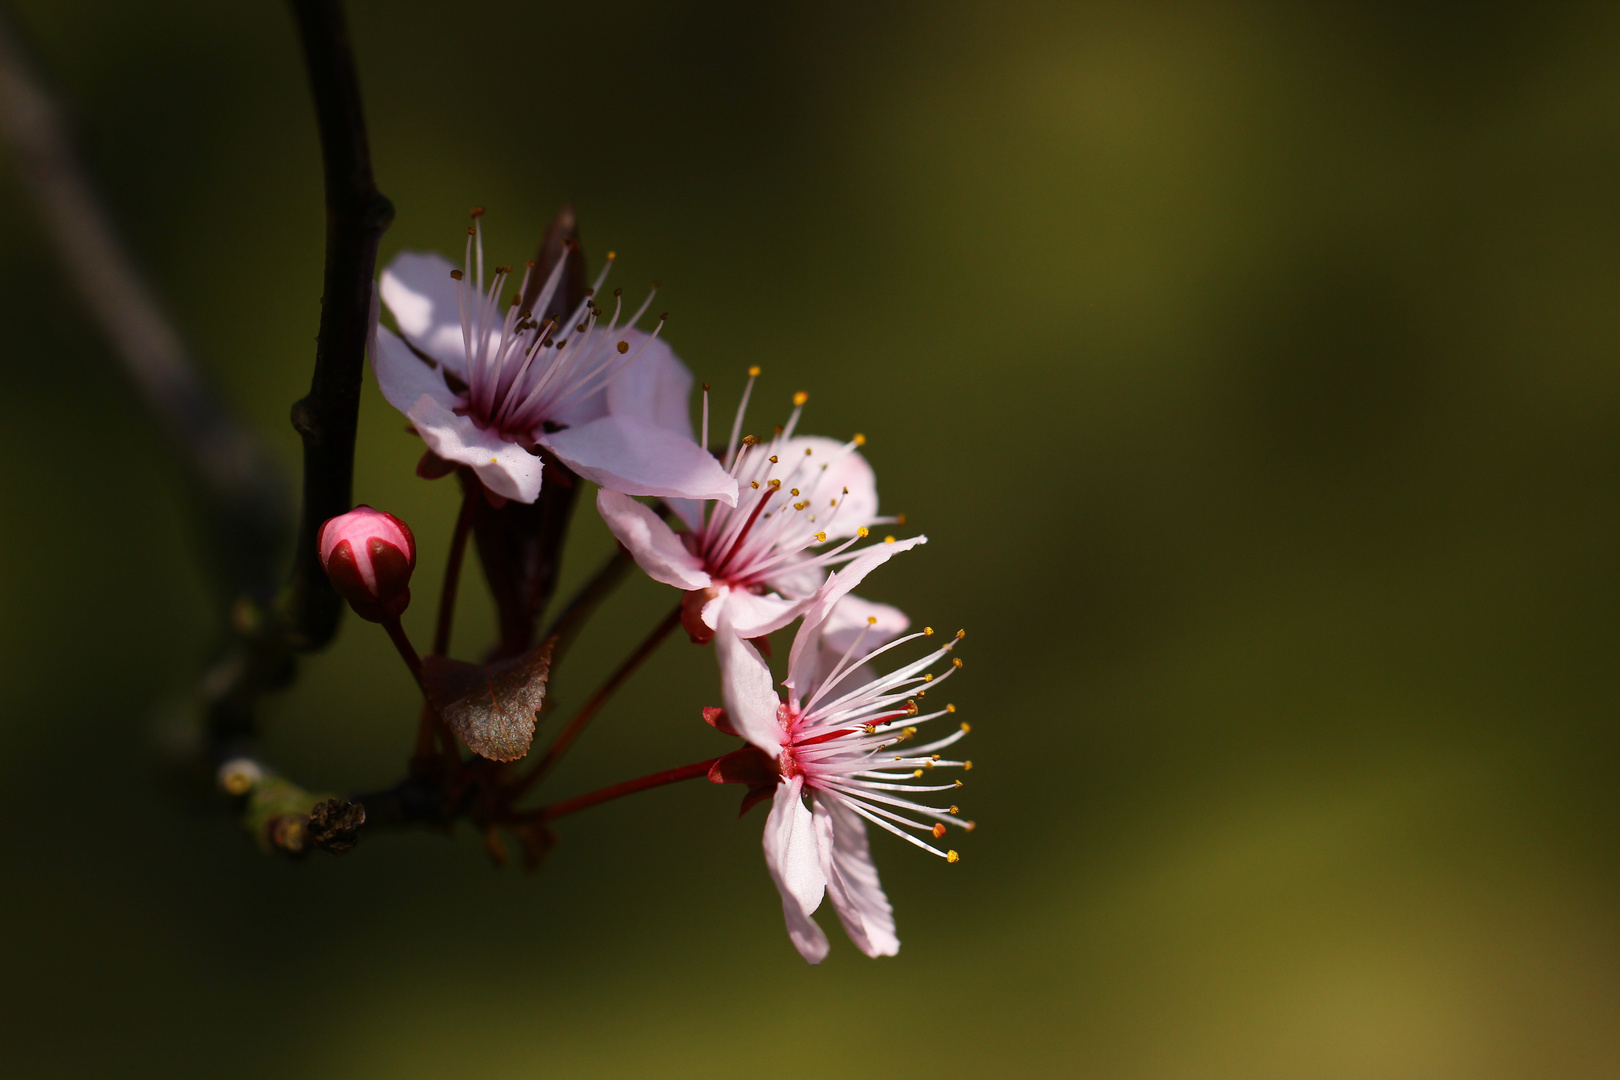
[[1251, 367]]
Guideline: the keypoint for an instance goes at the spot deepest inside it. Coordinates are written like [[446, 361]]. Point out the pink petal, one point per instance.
[[755, 616], [795, 864], [848, 470], [636, 458], [746, 685], [802, 658], [421, 295], [653, 544], [654, 387], [845, 625], [421, 394], [852, 878]]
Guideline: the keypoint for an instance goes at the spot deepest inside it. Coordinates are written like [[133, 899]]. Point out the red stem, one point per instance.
[[407, 651], [565, 738], [627, 787], [452, 575]]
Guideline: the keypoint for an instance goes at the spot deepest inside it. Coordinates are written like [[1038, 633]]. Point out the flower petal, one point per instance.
[[745, 683], [795, 864], [653, 544], [852, 877], [403, 377], [802, 659], [637, 458], [654, 387], [844, 625], [755, 616], [847, 469], [420, 293]]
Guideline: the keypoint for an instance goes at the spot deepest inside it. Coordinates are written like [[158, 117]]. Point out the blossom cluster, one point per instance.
[[756, 533]]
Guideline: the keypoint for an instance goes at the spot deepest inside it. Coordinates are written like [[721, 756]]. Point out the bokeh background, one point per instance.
[[1251, 366]]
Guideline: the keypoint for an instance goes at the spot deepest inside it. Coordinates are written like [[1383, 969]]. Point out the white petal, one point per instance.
[[852, 878], [745, 683], [654, 387], [402, 376], [639, 459], [690, 511], [848, 469], [505, 468], [795, 864], [802, 659], [755, 616], [420, 293], [653, 544], [845, 625]]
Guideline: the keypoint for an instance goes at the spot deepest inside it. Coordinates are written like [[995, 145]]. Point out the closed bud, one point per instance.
[[368, 556]]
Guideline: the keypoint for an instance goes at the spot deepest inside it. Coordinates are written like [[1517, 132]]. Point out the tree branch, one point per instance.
[[357, 214]]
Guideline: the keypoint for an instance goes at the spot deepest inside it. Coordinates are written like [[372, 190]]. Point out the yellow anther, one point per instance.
[[862, 532], [969, 826], [846, 492], [623, 347], [775, 484], [753, 372], [754, 484], [821, 538], [800, 505], [808, 452], [917, 773], [773, 462], [950, 708], [471, 231], [859, 439], [831, 502], [933, 757], [966, 727], [907, 732], [871, 620], [955, 810], [750, 440], [456, 274], [927, 677], [939, 830], [871, 729], [494, 461], [793, 491], [928, 631], [911, 709], [800, 398], [613, 255], [957, 660], [900, 519], [477, 212], [967, 766], [952, 857], [888, 539], [958, 783]]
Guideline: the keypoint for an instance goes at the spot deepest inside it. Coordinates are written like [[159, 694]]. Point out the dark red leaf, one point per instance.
[[492, 706]]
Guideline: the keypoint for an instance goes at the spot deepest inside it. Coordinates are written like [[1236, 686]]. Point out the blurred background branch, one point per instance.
[[237, 491]]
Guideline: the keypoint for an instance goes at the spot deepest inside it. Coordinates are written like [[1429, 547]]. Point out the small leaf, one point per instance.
[[492, 706]]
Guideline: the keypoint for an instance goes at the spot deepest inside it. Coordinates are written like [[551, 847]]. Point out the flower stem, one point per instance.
[[565, 738], [407, 651], [627, 787], [452, 574]]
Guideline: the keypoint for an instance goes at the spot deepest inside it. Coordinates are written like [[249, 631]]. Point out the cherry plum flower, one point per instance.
[[487, 388], [760, 560], [835, 739]]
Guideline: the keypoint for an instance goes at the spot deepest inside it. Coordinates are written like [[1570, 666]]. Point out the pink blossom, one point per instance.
[[761, 559], [834, 738], [487, 389]]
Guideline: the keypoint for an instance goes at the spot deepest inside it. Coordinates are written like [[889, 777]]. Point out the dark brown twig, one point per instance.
[[357, 214]]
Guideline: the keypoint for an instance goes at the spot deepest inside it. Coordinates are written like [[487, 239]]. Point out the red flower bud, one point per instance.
[[369, 556]]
